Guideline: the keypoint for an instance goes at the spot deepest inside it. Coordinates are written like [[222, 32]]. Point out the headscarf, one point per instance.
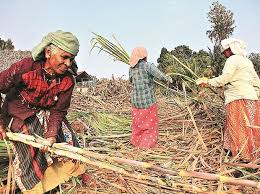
[[64, 40], [237, 46], [137, 54]]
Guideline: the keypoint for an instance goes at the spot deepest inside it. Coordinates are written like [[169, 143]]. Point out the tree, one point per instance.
[[6, 45], [198, 62], [222, 23], [166, 61], [222, 27], [182, 52], [201, 64], [255, 58]]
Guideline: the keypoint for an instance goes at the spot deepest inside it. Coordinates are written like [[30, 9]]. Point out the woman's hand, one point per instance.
[[51, 140], [2, 132], [203, 82]]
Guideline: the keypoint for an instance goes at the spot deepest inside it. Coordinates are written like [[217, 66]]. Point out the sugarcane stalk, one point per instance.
[[112, 184], [73, 153], [224, 179], [126, 185], [249, 165], [197, 130], [175, 186]]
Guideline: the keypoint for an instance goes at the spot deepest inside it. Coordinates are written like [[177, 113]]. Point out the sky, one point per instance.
[[153, 24]]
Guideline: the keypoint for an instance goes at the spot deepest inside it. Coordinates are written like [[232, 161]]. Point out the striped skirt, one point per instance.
[[242, 130], [30, 163]]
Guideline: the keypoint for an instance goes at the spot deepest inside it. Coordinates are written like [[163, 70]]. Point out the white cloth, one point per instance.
[[239, 79], [237, 46]]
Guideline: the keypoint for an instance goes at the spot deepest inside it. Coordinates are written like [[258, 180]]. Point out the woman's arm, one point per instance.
[[227, 73], [10, 78], [58, 113], [153, 70]]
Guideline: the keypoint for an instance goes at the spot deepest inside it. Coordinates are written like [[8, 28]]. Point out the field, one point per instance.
[[189, 157]]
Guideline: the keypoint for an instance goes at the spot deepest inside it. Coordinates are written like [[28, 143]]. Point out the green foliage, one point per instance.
[[222, 23], [217, 60], [195, 64], [222, 27], [202, 63], [255, 58], [166, 61], [183, 52], [6, 45]]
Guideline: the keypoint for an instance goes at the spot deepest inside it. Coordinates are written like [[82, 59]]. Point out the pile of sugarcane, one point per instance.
[[190, 141], [190, 136], [133, 176], [106, 95]]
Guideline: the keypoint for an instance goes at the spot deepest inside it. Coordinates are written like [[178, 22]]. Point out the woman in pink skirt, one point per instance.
[[144, 106]]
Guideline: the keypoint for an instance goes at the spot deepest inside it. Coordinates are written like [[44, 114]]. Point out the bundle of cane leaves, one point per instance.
[[115, 50], [107, 126], [100, 128], [108, 123]]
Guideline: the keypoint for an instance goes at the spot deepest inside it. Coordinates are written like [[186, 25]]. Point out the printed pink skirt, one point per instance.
[[145, 126]]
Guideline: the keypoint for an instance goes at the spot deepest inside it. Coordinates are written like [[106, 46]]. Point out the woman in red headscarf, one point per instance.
[[144, 106]]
